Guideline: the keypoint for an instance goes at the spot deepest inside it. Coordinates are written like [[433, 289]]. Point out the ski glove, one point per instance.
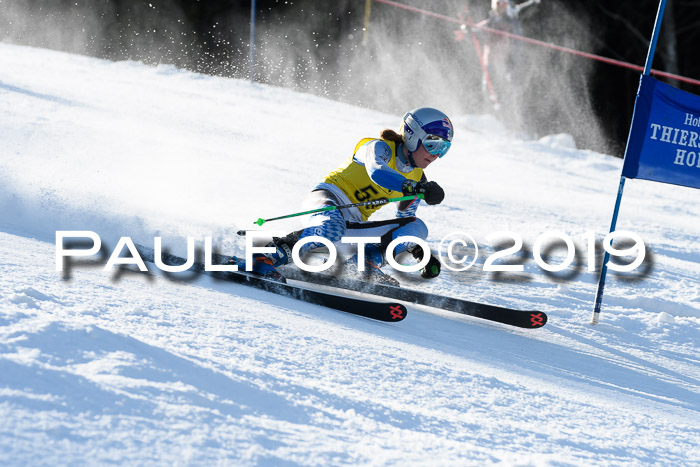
[[432, 269], [431, 191]]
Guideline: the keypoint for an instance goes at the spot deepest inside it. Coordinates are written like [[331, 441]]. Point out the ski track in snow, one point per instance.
[[133, 368]]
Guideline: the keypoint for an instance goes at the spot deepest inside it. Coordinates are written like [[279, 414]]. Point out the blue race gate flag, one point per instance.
[[664, 143]]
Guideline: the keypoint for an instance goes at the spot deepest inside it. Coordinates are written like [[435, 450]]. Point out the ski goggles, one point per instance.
[[436, 145]]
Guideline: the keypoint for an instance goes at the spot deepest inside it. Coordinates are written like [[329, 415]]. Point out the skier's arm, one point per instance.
[[407, 208], [377, 155], [376, 160]]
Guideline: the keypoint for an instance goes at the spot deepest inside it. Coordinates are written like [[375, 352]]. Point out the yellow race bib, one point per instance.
[[354, 180]]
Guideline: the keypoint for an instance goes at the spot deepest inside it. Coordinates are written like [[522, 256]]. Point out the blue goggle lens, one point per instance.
[[436, 145]]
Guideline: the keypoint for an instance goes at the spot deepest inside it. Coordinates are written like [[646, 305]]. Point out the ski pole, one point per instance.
[[376, 202]]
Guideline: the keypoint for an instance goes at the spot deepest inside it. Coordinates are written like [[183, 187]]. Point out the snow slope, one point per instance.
[[130, 368]]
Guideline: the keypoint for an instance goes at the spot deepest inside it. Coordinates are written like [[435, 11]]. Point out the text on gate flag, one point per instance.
[[664, 144]]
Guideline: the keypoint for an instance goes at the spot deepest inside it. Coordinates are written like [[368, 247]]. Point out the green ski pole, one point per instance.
[[376, 202]]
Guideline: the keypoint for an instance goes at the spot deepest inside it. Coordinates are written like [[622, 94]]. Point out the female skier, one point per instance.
[[388, 167]]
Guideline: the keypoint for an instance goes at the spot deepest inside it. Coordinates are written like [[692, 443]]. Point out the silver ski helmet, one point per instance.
[[429, 127]]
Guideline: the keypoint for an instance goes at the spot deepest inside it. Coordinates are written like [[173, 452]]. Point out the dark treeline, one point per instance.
[[408, 60]]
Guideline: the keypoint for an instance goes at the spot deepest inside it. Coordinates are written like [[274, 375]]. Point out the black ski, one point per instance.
[[519, 318], [389, 312]]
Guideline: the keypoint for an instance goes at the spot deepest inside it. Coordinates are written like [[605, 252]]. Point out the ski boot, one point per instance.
[[262, 266], [265, 265], [374, 260]]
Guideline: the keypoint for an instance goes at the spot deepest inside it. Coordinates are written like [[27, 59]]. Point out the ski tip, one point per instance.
[[397, 312], [537, 319]]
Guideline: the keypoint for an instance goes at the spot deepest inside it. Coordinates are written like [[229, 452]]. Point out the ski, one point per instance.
[[389, 312], [509, 316]]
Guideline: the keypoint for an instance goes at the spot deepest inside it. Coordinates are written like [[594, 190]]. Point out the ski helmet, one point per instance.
[[429, 127]]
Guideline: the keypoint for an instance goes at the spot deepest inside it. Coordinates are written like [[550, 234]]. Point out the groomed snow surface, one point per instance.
[[107, 368]]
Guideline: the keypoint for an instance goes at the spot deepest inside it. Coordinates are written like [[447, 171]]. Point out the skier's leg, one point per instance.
[[392, 229], [327, 224]]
